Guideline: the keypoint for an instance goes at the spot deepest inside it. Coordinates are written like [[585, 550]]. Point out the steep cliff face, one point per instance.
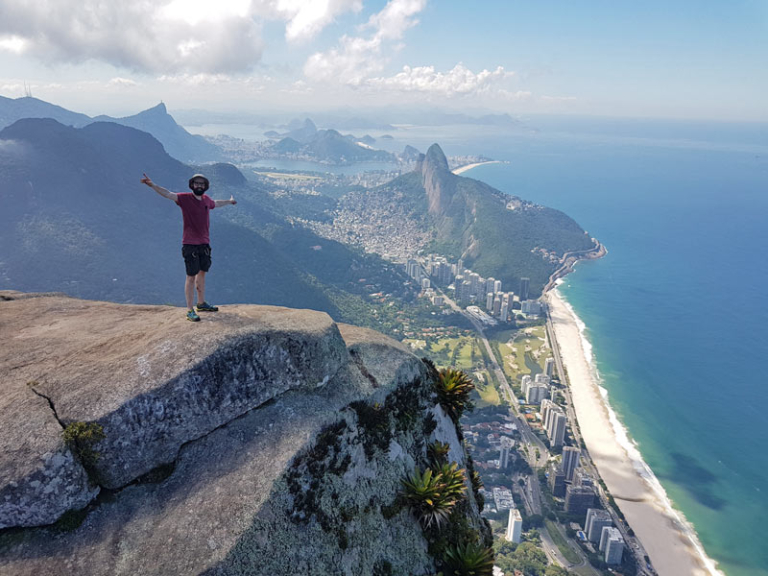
[[437, 179], [262, 440]]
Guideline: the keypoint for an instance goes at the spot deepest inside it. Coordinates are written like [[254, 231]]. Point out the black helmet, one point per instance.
[[200, 176]]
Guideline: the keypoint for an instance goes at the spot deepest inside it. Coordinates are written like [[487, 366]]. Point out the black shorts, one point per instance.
[[196, 257]]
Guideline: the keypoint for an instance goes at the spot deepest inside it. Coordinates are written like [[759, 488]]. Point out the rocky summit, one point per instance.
[[261, 440]]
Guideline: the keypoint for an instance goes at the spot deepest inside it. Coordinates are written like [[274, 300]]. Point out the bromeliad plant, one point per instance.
[[472, 559], [453, 388], [437, 452], [431, 495]]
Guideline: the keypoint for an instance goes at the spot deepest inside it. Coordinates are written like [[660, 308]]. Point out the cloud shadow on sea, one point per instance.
[[696, 480]]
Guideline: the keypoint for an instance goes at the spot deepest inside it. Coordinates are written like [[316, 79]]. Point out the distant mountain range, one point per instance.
[[77, 220], [330, 146], [176, 140]]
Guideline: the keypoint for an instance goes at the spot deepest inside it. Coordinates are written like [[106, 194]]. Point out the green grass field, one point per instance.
[[465, 353], [523, 351]]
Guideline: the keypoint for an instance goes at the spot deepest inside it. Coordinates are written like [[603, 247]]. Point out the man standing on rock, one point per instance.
[[196, 247]]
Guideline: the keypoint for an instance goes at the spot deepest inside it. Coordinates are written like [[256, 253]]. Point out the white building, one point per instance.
[[489, 301], [497, 286], [506, 447], [526, 381], [536, 393], [515, 526], [612, 544], [571, 456], [549, 367], [556, 429], [542, 379], [532, 307], [504, 311], [596, 520], [546, 406]]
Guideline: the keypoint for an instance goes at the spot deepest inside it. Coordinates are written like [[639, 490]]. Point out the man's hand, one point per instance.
[[232, 200], [159, 189]]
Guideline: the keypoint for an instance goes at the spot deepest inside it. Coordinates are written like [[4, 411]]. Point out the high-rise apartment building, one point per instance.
[[497, 286], [612, 544], [504, 311], [526, 381], [579, 499], [546, 406], [557, 424], [515, 526], [556, 481], [525, 284], [571, 456], [596, 520], [549, 367], [507, 444], [536, 393]]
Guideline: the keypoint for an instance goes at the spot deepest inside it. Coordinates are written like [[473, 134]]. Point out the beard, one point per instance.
[[198, 192]]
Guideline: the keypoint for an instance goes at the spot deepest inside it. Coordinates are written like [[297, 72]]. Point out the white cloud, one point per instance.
[[140, 35], [122, 82], [14, 44], [458, 81], [356, 57], [159, 36], [396, 17], [306, 19]]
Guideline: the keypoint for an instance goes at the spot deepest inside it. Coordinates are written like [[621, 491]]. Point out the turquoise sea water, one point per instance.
[[677, 313]]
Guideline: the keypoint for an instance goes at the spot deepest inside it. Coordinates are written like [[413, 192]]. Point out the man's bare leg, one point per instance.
[[200, 284], [189, 291]]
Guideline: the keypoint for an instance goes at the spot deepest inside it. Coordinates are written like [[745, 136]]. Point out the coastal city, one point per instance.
[[541, 490]]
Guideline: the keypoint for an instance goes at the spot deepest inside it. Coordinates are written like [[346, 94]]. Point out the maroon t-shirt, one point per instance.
[[196, 217]]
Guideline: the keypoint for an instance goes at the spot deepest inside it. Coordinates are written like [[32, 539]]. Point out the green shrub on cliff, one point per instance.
[[431, 495], [81, 437], [472, 559], [453, 388]]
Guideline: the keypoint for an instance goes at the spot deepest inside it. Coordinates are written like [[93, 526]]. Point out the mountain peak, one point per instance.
[[436, 158], [160, 109], [437, 179]]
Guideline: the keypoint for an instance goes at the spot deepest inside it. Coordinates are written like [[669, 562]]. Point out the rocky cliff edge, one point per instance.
[[261, 440]]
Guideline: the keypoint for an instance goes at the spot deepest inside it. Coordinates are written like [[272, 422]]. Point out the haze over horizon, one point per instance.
[[687, 60]]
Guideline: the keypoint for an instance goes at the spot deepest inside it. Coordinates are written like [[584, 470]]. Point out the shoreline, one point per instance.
[[462, 169], [668, 538]]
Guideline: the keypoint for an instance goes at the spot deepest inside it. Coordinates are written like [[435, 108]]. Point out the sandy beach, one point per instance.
[[462, 169], [671, 544]]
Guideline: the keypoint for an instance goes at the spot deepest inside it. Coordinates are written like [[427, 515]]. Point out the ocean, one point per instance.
[[677, 313]]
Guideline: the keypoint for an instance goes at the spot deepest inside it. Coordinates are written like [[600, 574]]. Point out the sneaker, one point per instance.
[[205, 307], [192, 316]]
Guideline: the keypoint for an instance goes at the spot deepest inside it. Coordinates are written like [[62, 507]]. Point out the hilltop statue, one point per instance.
[[196, 247]]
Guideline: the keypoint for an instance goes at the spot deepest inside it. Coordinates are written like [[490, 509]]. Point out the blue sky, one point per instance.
[[681, 59]]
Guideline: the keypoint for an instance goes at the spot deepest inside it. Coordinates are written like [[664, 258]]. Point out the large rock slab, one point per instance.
[[382, 361], [151, 379], [298, 485]]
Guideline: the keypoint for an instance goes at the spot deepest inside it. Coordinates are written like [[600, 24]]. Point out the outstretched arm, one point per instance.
[[159, 189], [220, 203]]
